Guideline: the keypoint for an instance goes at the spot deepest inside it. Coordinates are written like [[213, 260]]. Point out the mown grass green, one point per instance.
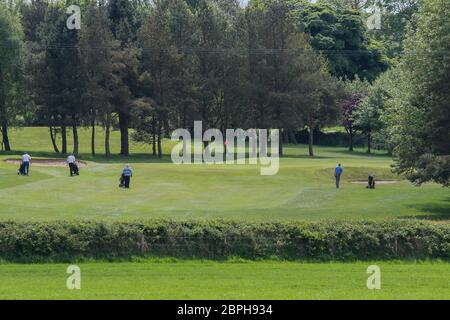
[[302, 190]]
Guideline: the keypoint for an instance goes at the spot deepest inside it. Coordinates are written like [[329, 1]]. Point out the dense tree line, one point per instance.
[[153, 66], [406, 110], [158, 65], [413, 98]]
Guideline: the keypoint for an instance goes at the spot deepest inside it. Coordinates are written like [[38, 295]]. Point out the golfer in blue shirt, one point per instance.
[[127, 174], [337, 174]]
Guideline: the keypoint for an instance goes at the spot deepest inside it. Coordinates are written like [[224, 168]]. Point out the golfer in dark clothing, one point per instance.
[[337, 174], [371, 182], [127, 174]]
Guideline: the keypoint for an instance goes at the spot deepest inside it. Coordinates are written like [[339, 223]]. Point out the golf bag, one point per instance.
[[122, 181], [74, 169], [371, 183], [21, 170]]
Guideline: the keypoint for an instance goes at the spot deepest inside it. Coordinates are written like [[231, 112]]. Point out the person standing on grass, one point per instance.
[[127, 174], [337, 174], [72, 162], [26, 160], [371, 182]]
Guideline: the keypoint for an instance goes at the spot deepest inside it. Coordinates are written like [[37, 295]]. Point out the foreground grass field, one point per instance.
[[164, 279], [302, 190]]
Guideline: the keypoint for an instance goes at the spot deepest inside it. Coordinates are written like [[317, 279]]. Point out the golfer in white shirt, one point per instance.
[[26, 159], [72, 165]]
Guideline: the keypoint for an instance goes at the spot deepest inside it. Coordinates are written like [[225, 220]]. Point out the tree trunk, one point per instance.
[[369, 143], [64, 139], [93, 139], [5, 140], [53, 137], [311, 141], [184, 117], [4, 119], [107, 134], [159, 140], [350, 142], [292, 138], [280, 147], [75, 139], [123, 125], [154, 136]]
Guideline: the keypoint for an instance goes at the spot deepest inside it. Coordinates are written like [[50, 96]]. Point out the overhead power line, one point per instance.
[[348, 52]]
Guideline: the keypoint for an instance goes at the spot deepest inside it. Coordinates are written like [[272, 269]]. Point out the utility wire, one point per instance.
[[348, 52]]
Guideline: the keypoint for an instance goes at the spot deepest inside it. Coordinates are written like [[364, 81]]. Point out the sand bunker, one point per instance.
[[376, 181], [46, 162]]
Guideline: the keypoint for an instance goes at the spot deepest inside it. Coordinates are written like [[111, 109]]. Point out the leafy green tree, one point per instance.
[[11, 37], [97, 48], [57, 83], [340, 34], [167, 68], [125, 22], [215, 63], [321, 92], [397, 15], [274, 46], [290, 85], [348, 4], [34, 14], [418, 114], [367, 118], [355, 92]]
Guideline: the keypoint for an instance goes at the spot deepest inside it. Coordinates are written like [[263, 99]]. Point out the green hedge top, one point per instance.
[[332, 240]]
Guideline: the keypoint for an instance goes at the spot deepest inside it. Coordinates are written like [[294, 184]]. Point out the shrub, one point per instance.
[[332, 240]]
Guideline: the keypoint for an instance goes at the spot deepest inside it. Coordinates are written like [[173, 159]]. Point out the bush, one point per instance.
[[66, 241]]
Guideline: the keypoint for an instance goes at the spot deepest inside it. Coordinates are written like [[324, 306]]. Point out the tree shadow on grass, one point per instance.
[[433, 211], [304, 156], [100, 158], [358, 153], [116, 158]]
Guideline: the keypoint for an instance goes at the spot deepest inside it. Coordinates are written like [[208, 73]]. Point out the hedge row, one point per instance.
[[66, 241]]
